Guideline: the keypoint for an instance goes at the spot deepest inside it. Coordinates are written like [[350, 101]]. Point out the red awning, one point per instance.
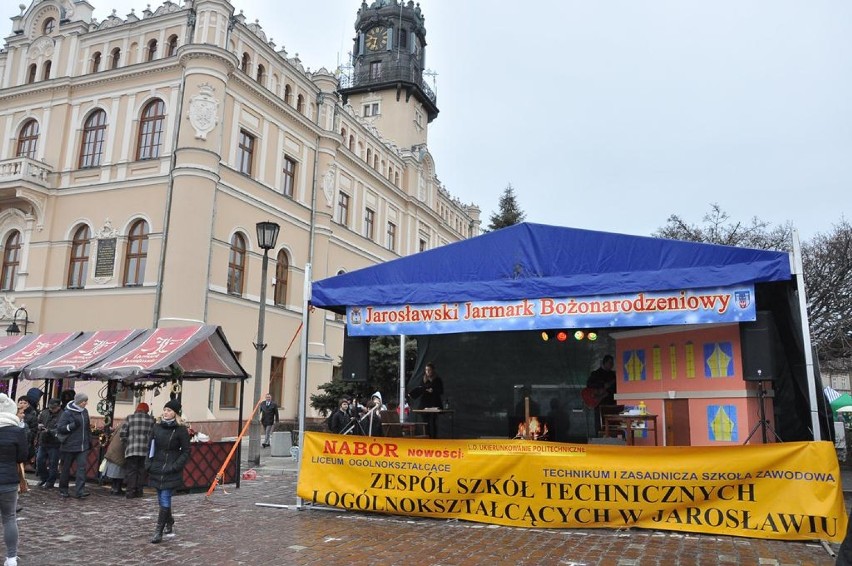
[[194, 352], [30, 349], [88, 349], [7, 342]]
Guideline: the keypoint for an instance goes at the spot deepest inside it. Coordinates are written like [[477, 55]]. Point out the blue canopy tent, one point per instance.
[[532, 261]]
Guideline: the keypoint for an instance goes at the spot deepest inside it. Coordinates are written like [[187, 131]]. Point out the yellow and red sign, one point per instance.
[[786, 491]]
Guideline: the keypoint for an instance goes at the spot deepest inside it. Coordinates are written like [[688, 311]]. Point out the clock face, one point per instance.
[[377, 38]]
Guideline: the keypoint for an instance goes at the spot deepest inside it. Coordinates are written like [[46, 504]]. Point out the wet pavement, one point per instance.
[[259, 524]]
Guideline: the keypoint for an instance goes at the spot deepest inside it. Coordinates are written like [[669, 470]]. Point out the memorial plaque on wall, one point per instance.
[[106, 257]]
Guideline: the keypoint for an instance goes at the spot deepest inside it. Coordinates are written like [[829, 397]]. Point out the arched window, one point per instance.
[[11, 259], [369, 155], [287, 94], [151, 50], [96, 62], [78, 267], [28, 139], [151, 130], [31, 73], [45, 70], [115, 58], [244, 63], [261, 73], [351, 143], [48, 26], [137, 253], [300, 103], [171, 46], [282, 268], [237, 265], [396, 178], [92, 144], [343, 134], [376, 162]]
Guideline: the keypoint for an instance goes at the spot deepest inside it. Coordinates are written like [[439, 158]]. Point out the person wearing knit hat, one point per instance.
[[174, 405], [135, 432], [47, 455], [34, 393], [75, 435], [169, 454], [13, 452]]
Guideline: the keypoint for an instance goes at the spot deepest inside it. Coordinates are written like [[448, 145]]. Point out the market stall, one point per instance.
[[136, 358]]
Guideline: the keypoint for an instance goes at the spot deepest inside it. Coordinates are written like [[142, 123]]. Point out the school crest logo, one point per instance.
[[743, 298], [355, 315]]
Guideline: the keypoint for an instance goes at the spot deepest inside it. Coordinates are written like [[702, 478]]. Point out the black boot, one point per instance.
[[161, 524], [170, 523]]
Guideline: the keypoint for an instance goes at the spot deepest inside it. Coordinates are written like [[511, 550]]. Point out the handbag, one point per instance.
[[102, 467]]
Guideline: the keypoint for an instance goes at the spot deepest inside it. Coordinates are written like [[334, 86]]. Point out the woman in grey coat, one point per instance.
[[167, 456]]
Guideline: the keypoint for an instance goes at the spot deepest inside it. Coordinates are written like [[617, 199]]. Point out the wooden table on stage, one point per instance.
[[450, 412], [412, 429], [627, 424]]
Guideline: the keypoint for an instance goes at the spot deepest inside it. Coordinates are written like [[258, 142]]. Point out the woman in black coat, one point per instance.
[[13, 451], [167, 456]]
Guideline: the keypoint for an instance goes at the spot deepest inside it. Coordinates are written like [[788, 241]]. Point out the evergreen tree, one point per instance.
[[508, 213]]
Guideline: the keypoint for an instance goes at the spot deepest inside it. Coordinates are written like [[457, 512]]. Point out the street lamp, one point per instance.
[[13, 329], [267, 233]]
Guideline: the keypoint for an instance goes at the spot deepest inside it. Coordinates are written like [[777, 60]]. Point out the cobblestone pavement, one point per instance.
[[231, 528]]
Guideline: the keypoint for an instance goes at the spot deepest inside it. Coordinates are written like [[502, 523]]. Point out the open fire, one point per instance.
[[537, 430]]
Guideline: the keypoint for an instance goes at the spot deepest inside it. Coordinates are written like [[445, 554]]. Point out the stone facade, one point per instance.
[[138, 154]]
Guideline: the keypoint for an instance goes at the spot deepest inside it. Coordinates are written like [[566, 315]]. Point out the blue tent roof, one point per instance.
[[535, 260]]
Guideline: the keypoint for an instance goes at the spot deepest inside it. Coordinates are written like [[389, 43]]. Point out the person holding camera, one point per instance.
[[47, 456]]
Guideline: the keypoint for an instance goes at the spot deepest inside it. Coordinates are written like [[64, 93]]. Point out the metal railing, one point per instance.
[[387, 73]]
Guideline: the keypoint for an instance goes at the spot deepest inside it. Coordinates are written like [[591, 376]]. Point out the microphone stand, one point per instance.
[[357, 422]]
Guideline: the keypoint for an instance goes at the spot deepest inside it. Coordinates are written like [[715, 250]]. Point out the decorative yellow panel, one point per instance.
[[656, 355], [673, 360], [689, 352]]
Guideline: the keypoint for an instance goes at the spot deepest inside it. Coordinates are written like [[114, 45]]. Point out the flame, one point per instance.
[[538, 430]]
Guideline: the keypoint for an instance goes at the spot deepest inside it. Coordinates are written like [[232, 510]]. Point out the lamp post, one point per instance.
[[13, 329], [267, 234]]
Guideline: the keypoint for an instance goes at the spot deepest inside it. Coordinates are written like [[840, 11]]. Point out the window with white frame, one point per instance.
[[371, 109]]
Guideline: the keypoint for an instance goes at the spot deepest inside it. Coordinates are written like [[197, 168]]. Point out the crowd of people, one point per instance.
[[351, 417], [58, 439]]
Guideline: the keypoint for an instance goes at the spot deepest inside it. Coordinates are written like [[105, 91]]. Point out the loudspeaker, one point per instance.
[[356, 358], [757, 341]]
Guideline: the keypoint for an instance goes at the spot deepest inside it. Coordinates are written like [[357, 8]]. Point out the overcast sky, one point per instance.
[[614, 115]]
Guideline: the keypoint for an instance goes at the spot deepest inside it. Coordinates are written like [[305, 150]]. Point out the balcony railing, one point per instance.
[[387, 73], [24, 169]]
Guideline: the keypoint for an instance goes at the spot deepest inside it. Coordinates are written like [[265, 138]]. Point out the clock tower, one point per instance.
[[386, 85]]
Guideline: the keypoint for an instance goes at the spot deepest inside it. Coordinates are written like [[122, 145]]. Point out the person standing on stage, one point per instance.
[[340, 419], [600, 389], [429, 392]]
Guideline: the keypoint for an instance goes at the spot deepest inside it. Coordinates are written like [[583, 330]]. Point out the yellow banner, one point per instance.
[[788, 491]]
